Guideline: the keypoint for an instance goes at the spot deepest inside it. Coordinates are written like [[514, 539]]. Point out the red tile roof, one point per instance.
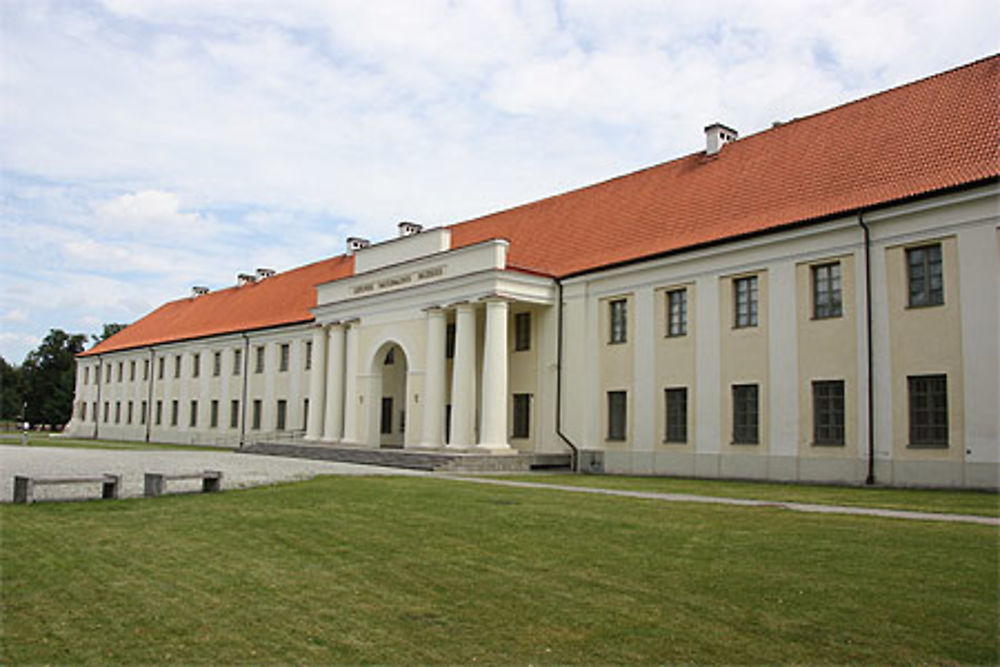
[[931, 135]]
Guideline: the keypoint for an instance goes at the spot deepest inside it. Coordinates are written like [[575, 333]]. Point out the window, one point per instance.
[[106, 408], [826, 291], [145, 369], [745, 414], [93, 411], [234, 414], [386, 417], [259, 365], [828, 412], [159, 370], [309, 355], [283, 357], [121, 370], [617, 414], [195, 365], [390, 357], [175, 410], [676, 411], [194, 414], [159, 412], [83, 411], [216, 364], [522, 332], [305, 414], [86, 375], [677, 312], [745, 302], [619, 321], [237, 362], [107, 373], [255, 424], [928, 396], [142, 412], [522, 416], [118, 412], [131, 371], [128, 418], [282, 414], [449, 341], [923, 266], [177, 366], [213, 414]]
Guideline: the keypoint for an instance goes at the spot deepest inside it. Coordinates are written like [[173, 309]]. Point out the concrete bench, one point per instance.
[[24, 487], [156, 483]]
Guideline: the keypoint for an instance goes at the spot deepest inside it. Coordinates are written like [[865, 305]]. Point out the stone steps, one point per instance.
[[414, 460]]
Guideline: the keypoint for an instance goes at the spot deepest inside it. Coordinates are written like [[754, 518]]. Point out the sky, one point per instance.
[[147, 146]]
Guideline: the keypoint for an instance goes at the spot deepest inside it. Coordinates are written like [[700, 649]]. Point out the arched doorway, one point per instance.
[[390, 374]]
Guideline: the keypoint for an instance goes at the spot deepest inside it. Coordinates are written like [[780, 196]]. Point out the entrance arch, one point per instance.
[[387, 412]]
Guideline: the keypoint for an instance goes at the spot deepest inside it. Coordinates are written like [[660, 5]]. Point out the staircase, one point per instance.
[[436, 461]]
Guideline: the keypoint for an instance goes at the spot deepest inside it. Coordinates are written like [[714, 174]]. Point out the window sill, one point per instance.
[[826, 444], [617, 342], [920, 306], [744, 444], [675, 442], [927, 445], [676, 335], [818, 318], [615, 439]]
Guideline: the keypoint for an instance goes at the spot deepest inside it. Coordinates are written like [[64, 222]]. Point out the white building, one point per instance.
[[818, 301]]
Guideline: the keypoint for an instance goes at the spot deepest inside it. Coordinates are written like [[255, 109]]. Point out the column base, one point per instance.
[[495, 448]]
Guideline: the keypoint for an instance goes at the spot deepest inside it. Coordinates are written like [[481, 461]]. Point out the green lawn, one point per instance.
[[416, 570], [37, 440], [982, 503]]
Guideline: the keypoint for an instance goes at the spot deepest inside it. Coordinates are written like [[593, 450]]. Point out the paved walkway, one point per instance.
[[714, 500], [238, 470]]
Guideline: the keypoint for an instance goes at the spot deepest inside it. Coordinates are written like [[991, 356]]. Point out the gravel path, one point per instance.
[[238, 470]]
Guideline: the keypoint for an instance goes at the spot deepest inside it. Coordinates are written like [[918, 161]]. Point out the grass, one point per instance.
[[35, 440], [983, 503], [415, 570]]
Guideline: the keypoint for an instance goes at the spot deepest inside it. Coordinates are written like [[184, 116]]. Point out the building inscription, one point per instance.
[[398, 280]]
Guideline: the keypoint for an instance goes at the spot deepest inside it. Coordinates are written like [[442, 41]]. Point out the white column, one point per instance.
[[317, 384], [493, 433], [351, 384], [333, 422], [463, 383], [433, 435]]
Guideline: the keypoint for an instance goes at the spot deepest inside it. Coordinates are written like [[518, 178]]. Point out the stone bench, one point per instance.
[[24, 487], [156, 483]]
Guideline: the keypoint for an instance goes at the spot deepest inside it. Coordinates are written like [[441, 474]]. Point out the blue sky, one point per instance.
[[147, 146]]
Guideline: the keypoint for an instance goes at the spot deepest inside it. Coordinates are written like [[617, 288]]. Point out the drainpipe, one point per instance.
[[574, 463], [246, 371], [97, 416], [149, 398], [870, 479]]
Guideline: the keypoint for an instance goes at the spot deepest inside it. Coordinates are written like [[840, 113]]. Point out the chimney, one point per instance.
[[199, 290], [245, 279], [264, 273], [355, 244], [409, 228], [717, 135]]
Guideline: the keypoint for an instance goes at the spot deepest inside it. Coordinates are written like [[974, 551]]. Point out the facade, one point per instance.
[[815, 302]]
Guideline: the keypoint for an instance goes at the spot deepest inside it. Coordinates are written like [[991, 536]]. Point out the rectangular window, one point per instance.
[[386, 416], [745, 414], [121, 370], [194, 414], [86, 375], [522, 331], [309, 355], [281, 414], [284, 351], [216, 364], [159, 412], [83, 411], [677, 312], [255, 423], [826, 291], [131, 371], [449, 341], [676, 411], [195, 365], [106, 408], [93, 411], [745, 302], [522, 416], [118, 412], [924, 274], [175, 412], [142, 412], [145, 369], [159, 370], [213, 414], [128, 416], [305, 414], [619, 320], [928, 395], [617, 414], [259, 366], [828, 412], [107, 373], [237, 362], [234, 414], [177, 366]]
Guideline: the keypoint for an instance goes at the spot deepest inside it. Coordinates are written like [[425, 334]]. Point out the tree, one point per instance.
[[11, 392], [108, 331], [48, 376]]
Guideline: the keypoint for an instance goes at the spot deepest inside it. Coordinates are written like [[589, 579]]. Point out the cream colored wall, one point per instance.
[[925, 340], [522, 375], [408, 330], [674, 364], [744, 359], [827, 349], [616, 368]]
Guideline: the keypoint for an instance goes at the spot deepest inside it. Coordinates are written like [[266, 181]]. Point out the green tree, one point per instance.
[[48, 377], [11, 393], [107, 331]]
